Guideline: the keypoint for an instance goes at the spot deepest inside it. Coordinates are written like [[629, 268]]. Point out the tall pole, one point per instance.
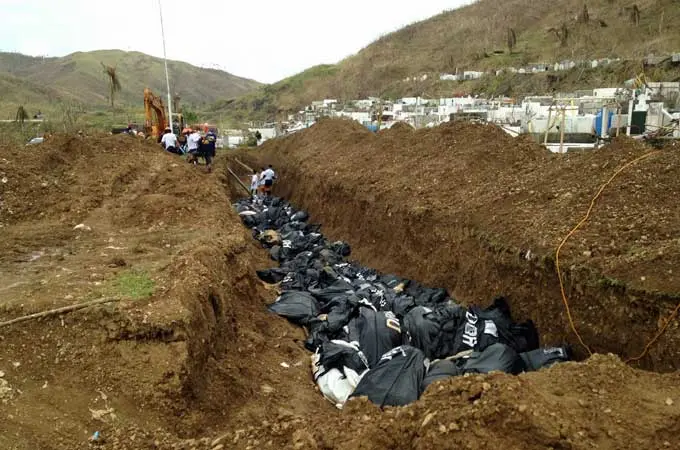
[[165, 59], [547, 126], [564, 117]]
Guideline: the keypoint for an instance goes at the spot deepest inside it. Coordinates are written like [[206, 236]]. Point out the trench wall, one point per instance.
[[475, 266]]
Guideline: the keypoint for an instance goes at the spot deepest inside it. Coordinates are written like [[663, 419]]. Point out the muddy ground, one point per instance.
[[188, 357]]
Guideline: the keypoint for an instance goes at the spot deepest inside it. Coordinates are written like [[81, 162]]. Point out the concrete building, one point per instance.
[[605, 92], [363, 104], [266, 133], [360, 116]]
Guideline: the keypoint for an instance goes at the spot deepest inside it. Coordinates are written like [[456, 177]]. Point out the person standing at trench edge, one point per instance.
[[260, 182], [254, 182], [269, 176], [207, 148]]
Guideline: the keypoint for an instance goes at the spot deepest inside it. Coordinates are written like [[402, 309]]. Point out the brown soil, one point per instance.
[[197, 364], [472, 209], [598, 404], [188, 360], [396, 130]]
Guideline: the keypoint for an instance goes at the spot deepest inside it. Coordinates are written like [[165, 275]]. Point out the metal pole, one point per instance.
[[630, 117], [564, 117], [547, 126], [165, 60]]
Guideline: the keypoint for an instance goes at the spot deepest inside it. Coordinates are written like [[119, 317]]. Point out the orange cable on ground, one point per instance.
[[654, 339], [571, 233]]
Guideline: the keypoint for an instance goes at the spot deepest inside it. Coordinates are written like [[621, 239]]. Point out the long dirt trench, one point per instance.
[[199, 363], [345, 177], [372, 191]]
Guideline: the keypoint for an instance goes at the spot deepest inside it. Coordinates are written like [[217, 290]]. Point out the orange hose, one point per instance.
[[571, 233], [655, 338]]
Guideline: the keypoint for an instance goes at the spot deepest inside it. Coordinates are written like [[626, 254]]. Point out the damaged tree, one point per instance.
[[114, 82], [635, 15], [584, 17], [511, 39], [561, 34], [21, 116]]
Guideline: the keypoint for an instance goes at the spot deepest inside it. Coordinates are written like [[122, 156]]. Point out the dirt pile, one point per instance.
[[399, 129], [182, 353], [470, 208], [600, 403], [190, 359], [68, 177]]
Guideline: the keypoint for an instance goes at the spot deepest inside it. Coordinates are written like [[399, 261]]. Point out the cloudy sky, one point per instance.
[[262, 39]]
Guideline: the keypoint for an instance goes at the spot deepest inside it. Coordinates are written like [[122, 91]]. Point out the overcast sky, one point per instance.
[[262, 39]]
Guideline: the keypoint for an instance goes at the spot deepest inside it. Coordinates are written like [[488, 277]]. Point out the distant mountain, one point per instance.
[[36, 81], [476, 37]]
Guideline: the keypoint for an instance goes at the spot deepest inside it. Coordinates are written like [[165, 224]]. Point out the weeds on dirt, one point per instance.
[[607, 282], [133, 284]]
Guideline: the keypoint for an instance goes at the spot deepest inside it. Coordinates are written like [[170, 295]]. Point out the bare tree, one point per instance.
[[512, 39], [21, 116], [561, 34], [71, 112], [635, 15], [584, 17], [564, 35], [176, 103], [114, 82]]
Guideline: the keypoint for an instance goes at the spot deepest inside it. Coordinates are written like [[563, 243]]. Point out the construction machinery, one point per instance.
[[155, 119]]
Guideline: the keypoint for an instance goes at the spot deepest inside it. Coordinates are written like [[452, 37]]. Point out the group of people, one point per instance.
[[263, 182], [195, 144]]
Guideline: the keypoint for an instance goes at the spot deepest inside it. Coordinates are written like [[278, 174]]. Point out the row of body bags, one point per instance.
[[379, 335]]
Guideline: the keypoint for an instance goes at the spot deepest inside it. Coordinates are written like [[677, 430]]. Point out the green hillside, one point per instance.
[[43, 83], [475, 37]]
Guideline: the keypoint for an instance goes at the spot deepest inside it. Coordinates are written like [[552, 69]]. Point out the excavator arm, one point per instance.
[[154, 109]]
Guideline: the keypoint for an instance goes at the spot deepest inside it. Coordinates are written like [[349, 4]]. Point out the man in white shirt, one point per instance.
[[268, 176], [169, 141], [193, 143]]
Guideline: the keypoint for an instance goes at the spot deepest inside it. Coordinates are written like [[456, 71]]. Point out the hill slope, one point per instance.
[[465, 38], [79, 77]]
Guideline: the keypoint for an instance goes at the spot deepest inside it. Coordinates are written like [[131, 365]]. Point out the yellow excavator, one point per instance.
[[155, 120]]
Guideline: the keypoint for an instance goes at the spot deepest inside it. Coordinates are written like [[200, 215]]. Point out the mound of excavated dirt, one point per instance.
[[67, 177], [397, 130], [597, 404], [468, 207], [190, 350]]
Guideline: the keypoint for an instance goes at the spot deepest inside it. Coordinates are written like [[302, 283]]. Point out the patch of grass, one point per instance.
[[134, 284], [607, 282]]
